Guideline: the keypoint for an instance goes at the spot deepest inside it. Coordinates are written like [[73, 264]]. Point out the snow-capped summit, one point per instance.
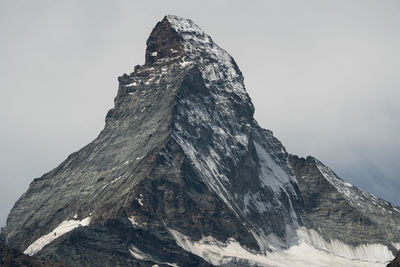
[[182, 175]]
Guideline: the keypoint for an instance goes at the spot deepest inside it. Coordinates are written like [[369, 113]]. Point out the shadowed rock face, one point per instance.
[[395, 262], [181, 151], [163, 42], [11, 257]]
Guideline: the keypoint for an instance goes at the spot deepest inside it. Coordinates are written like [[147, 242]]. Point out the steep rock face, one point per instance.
[[163, 43], [183, 175]]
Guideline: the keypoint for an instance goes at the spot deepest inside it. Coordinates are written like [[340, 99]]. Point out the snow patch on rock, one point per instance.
[[113, 181], [273, 175], [366, 252], [138, 254], [133, 221], [140, 200], [63, 228]]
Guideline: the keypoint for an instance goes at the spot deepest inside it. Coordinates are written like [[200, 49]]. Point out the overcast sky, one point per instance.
[[324, 76]]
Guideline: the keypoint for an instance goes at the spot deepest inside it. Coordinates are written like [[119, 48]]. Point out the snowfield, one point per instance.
[[63, 228], [302, 253]]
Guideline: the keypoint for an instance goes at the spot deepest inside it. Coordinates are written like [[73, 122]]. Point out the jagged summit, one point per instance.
[[164, 42], [175, 36], [183, 175], [168, 37], [184, 25]]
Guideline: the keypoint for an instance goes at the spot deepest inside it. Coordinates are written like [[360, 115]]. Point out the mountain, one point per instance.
[[183, 175]]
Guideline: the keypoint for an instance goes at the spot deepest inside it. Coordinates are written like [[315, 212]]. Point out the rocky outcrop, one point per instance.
[[395, 262], [12, 257], [338, 210], [163, 43], [183, 175]]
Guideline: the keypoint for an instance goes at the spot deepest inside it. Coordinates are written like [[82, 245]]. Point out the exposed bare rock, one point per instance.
[[12, 257]]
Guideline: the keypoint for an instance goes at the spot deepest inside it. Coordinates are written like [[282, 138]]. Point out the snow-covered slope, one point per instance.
[[183, 175], [309, 250], [60, 230]]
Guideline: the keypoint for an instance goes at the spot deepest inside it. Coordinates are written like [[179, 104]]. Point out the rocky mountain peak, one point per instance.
[[173, 37], [163, 42], [183, 175], [179, 38]]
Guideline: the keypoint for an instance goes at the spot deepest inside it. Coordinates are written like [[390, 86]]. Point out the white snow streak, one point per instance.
[[138, 254], [348, 184], [113, 181], [273, 175], [133, 221], [62, 228], [140, 200], [131, 84]]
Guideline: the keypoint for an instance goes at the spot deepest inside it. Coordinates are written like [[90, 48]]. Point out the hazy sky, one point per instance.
[[324, 76]]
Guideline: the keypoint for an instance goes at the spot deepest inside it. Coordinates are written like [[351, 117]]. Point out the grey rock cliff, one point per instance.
[[339, 210], [181, 152]]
